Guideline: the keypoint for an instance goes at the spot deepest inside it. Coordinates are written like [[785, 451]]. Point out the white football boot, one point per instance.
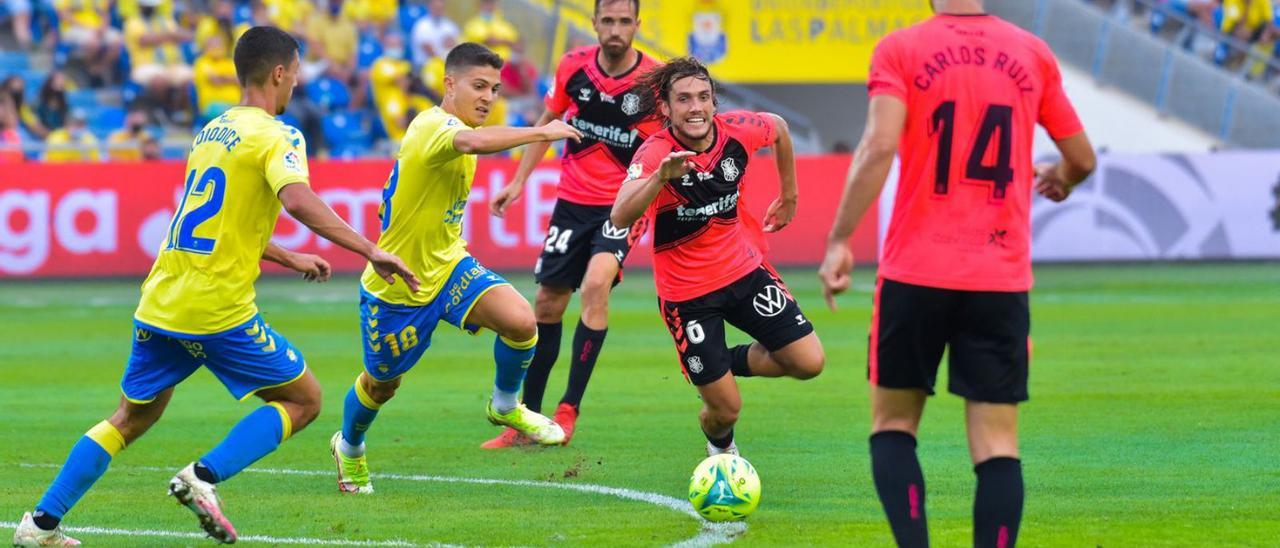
[[202, 498], [29, 534]]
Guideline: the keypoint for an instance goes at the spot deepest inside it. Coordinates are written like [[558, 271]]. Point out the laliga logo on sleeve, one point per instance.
[[633, 171], [770, 302], [292, 162]]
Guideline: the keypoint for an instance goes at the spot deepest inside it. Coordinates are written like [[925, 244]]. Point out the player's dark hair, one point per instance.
[[471, 54], [634, 3], [260, 50], [657, 83]]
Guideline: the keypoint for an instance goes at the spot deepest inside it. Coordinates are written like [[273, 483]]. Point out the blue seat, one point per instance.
[[14, 61], [130, 92], [82, 98], [409, 15], [329, 93], [62, 53], [368, 51], [104, 119], [348, 134], [243, 13]]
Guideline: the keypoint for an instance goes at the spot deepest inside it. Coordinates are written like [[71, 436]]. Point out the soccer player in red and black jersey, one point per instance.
[[957, 96], [594, 91], [709, 264]]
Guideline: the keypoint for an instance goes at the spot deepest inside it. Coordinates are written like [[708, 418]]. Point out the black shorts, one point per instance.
[[759, 304], [576, 234], [987, 334]]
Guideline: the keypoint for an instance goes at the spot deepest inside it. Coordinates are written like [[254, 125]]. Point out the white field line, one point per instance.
[[710, 534], [242, 538]]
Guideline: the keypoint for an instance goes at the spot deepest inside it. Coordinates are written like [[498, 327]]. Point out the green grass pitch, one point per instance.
[[1153, 422]]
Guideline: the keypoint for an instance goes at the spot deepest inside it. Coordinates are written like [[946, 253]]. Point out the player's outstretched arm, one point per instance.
[[635, 195], [303, 204], [1055, 181], [313, 267], [783, 209], [487, 140], [886, 117], [532, 155]]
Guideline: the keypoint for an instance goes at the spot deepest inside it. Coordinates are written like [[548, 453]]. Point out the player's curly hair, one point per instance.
[[655, 85]]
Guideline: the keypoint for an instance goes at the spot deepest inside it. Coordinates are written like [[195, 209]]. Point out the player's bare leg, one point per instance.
[[300, 399], [993, 444], [596, 287], [895, 419], [504, 311], [589, 336], [87, 462], [802, 359], [721, 403]]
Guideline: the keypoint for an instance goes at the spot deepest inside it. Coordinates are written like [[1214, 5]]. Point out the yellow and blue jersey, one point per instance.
[[202, 280], [422, 208]]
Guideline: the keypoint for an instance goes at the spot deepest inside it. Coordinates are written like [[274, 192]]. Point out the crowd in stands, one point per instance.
[[1241, 34], [90, 80]]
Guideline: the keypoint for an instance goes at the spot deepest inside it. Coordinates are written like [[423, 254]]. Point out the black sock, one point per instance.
[[997, 506], [45, 521], [738, 362], [586, 349], [722, 443], [205, 474], [900, 484], [544, 357]]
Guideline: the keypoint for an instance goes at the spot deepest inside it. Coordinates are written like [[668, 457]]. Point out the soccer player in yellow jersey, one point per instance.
[[197, 304], [422, 209]]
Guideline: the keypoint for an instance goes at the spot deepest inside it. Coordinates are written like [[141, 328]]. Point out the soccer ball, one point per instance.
[[724, 488]]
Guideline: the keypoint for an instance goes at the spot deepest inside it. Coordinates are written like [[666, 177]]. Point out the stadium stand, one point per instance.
[[1212, 64]]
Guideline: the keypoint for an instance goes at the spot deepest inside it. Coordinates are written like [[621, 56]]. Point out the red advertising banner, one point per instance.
[[108, 219]]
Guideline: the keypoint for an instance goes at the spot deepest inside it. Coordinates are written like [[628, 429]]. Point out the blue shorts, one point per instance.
[[395, 335], [247, 358]]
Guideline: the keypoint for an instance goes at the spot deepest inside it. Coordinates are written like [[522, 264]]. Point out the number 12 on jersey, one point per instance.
[[996, 118], [211, 185]]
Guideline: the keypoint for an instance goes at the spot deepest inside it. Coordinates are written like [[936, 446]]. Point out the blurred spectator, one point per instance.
[[841, 147], [290, 15], [520, 87], [85, 26], [220, 22], [519, 75], [332, 37], [51, 102], [217, 88], [391, 82], [158, 65], [16, 88], [20, 16], [433, 35], [151, 150], [1247, 19], [432, 77], [73, 143], [125, 144], [488, 27], [131, 8], [371, 16], [10, 139]]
